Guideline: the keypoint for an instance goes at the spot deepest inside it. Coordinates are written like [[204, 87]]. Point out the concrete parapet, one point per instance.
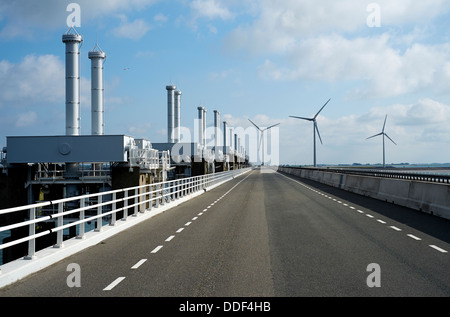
[[432, 198]]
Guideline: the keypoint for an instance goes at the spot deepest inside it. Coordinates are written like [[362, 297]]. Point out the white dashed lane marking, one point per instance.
[[362, 212], [114, 284], [137, 265], [413, 236], [157, 249], [438, 248]]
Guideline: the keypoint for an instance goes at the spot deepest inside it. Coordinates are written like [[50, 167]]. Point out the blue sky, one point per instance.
[[260, 60]]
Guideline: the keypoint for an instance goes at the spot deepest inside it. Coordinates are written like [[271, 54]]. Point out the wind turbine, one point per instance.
[[262, 137], [315, 128], [383, 134]]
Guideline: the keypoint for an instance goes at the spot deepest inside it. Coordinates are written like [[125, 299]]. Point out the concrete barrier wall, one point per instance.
[[432, 198]]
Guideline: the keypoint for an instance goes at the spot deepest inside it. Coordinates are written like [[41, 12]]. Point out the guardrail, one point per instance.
[[416, 193], [127, 201], [416, 176]]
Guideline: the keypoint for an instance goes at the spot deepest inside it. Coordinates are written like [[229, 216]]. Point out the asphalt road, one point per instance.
[[262, 234]]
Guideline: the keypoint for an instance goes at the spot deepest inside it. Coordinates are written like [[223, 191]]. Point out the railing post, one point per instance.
[[99, 212], [136, 200], [59, 223], [81, 227], [150, 197], [125, 205], [163, 185], [31, 231], [114, 207], [157, 196]]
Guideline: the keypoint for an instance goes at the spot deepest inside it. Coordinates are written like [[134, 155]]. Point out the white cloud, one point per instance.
[[385, 71], [210, 9], [282, 23], [418, 129], [161, 18], [36, 79], [26, 119], [330, 41], [25, 18], [132, 30]]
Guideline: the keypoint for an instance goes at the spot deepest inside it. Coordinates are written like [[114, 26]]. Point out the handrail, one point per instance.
[[144, 197]]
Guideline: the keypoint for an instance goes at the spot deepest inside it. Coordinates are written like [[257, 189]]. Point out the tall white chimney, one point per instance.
[[216, 127], [177, 116], [170, 113], [231, 139], [225, 135], [97, 57], [73, 41], [200, 125], [204, 126]]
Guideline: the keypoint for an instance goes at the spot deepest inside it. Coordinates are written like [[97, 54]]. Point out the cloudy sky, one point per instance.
[[262, 60]]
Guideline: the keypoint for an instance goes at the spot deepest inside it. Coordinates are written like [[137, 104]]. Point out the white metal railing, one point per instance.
[[130, 201]]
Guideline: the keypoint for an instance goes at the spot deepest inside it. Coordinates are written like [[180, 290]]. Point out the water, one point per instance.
[[429, 169]]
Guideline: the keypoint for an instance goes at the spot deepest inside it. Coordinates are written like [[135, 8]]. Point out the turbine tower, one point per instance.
[[315, 129], [383, 134], [261, 139]]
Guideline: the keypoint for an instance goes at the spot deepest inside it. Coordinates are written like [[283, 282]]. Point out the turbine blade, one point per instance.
[[317, 129], [271, 126], [322, 108], [374, 135], [390, 139], [309, 119], [254, 124], [384, 123]]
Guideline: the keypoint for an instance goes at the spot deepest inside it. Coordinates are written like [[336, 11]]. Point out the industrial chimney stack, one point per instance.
[[170, 113], [177, 116], [201, 111], [97, 57], [216, 127], [73, 41]]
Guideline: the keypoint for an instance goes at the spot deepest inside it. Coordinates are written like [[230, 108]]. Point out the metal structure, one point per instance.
[[102, 209], [177, 117], [382, 133], [315, 129], [201, 113], [73, 42], [171, 113], [261, 138], [216, 128], [97, 57]]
